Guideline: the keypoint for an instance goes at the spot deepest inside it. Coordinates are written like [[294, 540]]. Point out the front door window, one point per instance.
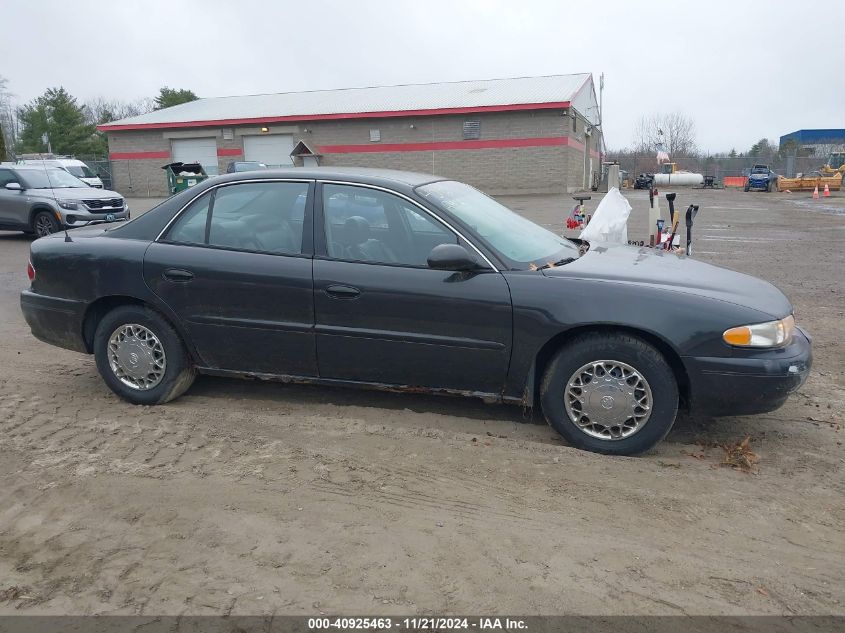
[[368, 225]]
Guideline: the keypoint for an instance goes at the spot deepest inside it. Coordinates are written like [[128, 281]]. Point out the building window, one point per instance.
[[472, 130], [375, 135], [574, 121]]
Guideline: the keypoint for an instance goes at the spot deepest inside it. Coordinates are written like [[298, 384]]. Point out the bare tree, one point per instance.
[[8, 116], [672, 133], [103, 110]]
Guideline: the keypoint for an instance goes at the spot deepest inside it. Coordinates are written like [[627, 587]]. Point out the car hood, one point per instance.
[[75, 193], [671, 272]]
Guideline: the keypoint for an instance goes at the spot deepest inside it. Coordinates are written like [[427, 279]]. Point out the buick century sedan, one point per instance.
[[409, 282]]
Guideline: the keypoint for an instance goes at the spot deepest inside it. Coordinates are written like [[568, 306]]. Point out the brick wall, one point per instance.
[[543, 169]]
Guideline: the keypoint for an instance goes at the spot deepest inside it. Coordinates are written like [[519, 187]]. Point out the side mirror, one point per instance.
[[451, 257], [14, 186]]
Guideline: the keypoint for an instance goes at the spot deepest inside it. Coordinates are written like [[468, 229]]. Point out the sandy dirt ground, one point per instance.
[[255, 498]]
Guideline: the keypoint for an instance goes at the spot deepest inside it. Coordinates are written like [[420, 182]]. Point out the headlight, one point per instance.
[[68, 204], [771, 334]]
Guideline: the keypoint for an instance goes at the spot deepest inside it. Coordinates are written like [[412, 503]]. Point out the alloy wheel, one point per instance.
[[43, 225]]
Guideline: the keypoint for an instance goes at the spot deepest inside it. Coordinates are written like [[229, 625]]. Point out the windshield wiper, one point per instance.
[[561, 262]]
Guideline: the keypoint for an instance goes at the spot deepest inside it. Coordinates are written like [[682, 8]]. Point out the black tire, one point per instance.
[[629, 350], [179, 372], [746, 188], [44, 223]]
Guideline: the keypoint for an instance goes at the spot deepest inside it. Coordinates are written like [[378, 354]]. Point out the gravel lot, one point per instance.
[[255, 498]]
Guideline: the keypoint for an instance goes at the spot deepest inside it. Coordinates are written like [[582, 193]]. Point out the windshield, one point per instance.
[[50, 178], [80, 171], [517, 240]]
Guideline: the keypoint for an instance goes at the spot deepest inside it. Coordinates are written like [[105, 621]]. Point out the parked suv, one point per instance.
[[40, 200], [237, 166], [761, 178]]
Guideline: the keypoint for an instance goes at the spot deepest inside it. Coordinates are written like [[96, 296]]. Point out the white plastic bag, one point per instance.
[[610, 221]]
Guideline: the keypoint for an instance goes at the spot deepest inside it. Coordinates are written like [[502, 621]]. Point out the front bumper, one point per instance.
[[83, 218], [746, 385], [758, 184], [54, 320]]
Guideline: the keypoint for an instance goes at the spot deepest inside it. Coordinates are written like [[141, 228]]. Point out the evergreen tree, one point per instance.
[[57, 113], [169, 97]]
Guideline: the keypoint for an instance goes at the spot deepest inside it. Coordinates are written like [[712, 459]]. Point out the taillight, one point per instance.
[[30, 271]]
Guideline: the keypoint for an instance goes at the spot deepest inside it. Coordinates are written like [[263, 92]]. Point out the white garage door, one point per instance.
[[196, 150], [271, 149]]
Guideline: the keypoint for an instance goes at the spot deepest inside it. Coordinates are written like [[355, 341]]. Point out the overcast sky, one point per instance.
[[742, 70]]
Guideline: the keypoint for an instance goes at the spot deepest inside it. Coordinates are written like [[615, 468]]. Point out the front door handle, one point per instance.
[[338, 291], [177, 274]]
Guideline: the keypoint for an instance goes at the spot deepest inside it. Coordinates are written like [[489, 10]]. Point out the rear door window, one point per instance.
[[260, 217]]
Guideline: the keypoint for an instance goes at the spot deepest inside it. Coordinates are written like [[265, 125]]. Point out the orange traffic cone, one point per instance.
[[816, 193], [826, 191]]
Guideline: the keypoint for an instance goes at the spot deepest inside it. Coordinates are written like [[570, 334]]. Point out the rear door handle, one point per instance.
[[338, 291], [177, 274]]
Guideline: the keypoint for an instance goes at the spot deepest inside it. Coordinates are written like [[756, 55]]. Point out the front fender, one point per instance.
[[544, 308]]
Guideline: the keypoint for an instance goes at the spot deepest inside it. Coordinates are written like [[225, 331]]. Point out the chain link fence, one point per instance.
[[101, 166], [721, 167]]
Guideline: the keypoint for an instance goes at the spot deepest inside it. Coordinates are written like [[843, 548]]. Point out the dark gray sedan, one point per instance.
[[405, 281]]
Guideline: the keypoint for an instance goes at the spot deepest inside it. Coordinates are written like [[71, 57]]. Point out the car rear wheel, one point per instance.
[[141, 357], [610, 393], [44, 223]]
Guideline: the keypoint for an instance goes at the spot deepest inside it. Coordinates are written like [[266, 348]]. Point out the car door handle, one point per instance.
[[338, 291], [177, 274]]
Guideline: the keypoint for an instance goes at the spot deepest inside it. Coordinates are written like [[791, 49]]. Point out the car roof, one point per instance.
[[364, 175], [30, 167]]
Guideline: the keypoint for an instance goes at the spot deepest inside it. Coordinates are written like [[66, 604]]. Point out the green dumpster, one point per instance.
[[180, 176]]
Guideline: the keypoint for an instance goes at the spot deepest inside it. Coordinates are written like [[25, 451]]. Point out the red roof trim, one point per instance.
[[449, 145], [342, 115]]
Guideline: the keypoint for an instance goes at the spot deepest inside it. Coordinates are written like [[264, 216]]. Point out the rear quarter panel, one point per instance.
[[90, 268]]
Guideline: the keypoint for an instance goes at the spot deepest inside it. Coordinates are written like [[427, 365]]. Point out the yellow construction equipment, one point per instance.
[[835, 164], [831, 174]]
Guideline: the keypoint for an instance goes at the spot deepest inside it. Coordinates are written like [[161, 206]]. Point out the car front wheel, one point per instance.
[[43, 223], [610, 393], [141, 357]]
